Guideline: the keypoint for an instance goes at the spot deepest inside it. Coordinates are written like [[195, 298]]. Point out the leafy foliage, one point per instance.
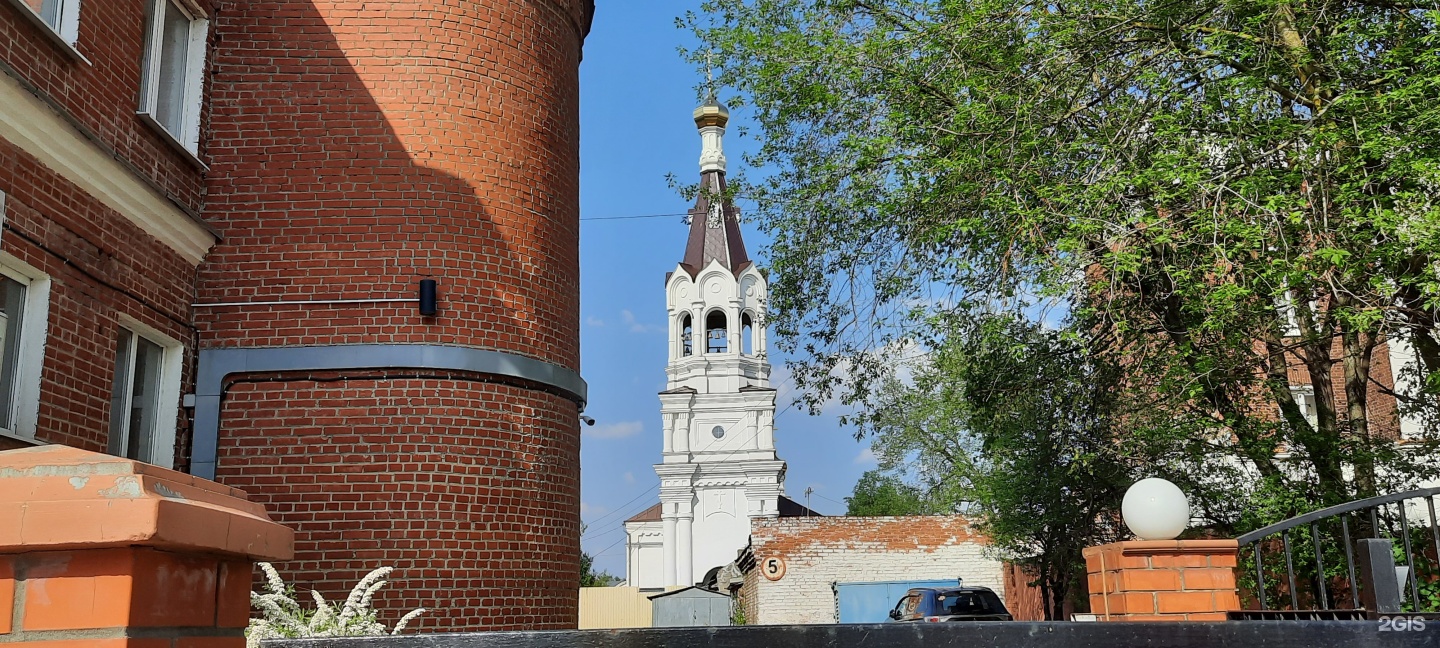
[[880, 494], [1225, 199], [282, 616], [1015, 424], [591, 578]]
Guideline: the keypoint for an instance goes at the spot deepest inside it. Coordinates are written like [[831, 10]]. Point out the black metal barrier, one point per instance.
[[1383, 633]]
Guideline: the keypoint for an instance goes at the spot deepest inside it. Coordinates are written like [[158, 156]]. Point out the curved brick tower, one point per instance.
[[357, 148]]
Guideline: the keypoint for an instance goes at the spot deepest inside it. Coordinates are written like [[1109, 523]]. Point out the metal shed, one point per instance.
[[692, 606]]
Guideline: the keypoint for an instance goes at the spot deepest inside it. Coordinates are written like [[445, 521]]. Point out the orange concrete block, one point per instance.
[[173, 590], [92, 643], [10, 531], [77, 590], [1223, 560], [1209, 578], [1148, 580], [1207, 616], [210, 642], [1132, 603], [1184, 602], [7, 592], [1116, 560], [1151, 617], [65, 498], [1227, 601], [232, 606], [1180, 560]]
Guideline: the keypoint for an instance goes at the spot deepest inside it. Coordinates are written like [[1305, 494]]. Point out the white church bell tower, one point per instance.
[[718, 467]]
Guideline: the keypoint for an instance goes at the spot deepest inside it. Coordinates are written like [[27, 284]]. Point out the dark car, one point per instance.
[[936, 604]]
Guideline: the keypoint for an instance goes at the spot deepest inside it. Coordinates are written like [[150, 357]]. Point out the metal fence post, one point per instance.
[[1379, 589]]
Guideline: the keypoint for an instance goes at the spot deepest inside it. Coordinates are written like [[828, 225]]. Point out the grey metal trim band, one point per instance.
[[216, 364]]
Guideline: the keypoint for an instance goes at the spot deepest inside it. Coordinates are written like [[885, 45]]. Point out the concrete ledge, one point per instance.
[[57, 498]]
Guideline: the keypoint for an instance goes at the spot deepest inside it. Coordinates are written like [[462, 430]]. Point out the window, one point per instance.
[[747, 335], [685, 336], [1305, 399], [61, 16], [1289, 320], [716, 335], [24, 295], [173, 68], [143, 398], [11, 319]]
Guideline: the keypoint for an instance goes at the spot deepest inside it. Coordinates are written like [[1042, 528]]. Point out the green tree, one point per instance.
[[1226, 194], [1015, 424], [880, 494], [591, 578]]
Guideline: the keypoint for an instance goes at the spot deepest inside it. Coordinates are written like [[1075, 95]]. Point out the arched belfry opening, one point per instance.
[[686, 336], [747, 335], [716, 333]]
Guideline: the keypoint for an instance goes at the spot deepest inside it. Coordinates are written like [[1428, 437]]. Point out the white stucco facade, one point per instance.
[[718, 466]]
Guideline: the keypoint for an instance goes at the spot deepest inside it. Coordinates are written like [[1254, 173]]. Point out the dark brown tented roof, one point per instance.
[[709, 240], [651, 514], [792, 508]]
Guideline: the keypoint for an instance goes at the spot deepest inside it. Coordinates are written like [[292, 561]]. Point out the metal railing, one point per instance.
[[1368, 527]]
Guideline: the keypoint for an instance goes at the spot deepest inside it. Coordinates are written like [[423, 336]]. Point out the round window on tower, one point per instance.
[[718, 431]]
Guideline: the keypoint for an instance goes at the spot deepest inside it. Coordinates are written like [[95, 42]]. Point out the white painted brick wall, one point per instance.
[[820, 552]]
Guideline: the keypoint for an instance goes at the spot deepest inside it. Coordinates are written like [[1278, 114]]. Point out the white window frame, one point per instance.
[[67, 22], [167, 397], [189, 138], [1304, 396], [31, 358], [1290, 319]]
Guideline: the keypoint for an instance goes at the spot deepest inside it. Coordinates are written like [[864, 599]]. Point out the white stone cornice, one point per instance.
[[31, 125]]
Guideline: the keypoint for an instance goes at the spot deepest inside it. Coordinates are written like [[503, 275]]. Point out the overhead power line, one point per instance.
[[604, 218]]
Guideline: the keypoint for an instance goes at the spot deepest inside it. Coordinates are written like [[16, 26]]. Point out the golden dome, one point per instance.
[[711, 113]]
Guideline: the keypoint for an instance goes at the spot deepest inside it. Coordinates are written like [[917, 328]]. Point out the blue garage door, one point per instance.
[[872, 602]]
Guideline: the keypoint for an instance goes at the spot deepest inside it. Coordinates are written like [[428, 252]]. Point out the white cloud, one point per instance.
[[594, 321], [618, 430], [588, 510], [866, 456], [629, 477], [636, 326]]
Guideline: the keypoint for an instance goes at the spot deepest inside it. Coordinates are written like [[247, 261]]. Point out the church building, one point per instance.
[[719, 469]]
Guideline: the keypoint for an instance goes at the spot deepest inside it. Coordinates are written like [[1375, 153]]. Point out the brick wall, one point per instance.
[[101, 96], [101, 266], [443, 479], [359, 147], [821, 551], [356, 148]]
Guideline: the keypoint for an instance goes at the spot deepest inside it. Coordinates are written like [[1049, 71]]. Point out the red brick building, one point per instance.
[[217, 215]]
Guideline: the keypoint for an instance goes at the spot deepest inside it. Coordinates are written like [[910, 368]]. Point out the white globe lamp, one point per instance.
[[1155, 509]]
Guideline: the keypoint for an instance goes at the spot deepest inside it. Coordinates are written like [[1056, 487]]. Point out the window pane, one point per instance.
[[48, 10], [144, 395], [13, 311], [119, 391], [174, 49]]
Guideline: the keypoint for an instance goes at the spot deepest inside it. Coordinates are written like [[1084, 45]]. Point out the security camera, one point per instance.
[[587, 420]]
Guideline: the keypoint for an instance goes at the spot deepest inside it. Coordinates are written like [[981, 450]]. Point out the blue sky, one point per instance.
[[636, 95]]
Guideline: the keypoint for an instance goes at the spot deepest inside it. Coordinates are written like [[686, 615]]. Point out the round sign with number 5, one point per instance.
[[773, 568]]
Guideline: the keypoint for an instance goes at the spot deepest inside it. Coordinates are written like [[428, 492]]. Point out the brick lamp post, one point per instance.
[[1156, 577]]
